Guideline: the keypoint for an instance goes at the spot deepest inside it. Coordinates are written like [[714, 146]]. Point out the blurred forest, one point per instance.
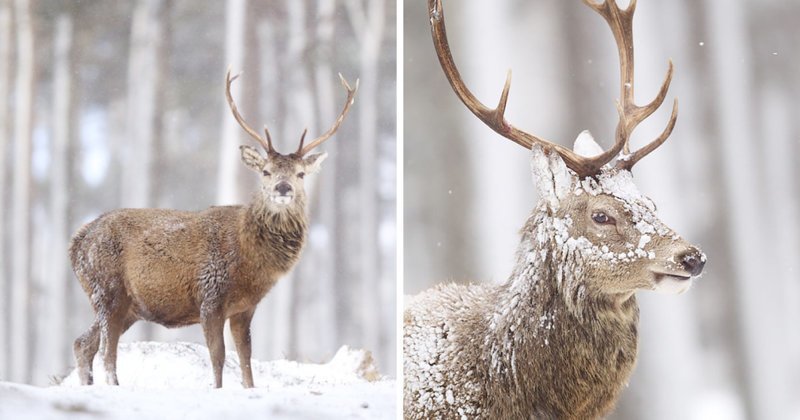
[[727, 179], [121, 104]]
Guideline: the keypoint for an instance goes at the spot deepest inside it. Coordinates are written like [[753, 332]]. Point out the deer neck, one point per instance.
[[547, 328], [274, 238]]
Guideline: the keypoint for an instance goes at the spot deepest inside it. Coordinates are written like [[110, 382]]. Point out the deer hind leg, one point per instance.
[[116, 323], [85, 347], [213, 322], [240, 329]]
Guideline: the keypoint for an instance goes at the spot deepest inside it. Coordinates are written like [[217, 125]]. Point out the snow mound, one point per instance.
[[155, 365], [175, 380]]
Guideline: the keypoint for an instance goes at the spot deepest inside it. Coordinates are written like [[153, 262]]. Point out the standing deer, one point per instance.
[[557, 339], [178, 268]]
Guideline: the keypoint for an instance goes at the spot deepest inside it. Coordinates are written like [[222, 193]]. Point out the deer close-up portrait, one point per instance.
[[558, 339], [631, 252]]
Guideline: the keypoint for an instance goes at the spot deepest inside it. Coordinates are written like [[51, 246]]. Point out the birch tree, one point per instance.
[[368, 19], [57, 351], [5, 284], [23, 108], [142, 104], [229, 165]]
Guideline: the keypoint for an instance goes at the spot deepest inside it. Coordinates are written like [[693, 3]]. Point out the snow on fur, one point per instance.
[[160, 380], [496, 350]]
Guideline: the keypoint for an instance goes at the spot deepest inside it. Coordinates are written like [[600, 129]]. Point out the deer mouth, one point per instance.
[[282, 199], [673, 276], [672, 282]]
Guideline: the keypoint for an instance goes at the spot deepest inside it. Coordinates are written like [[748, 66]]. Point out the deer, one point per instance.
[[178, 268], [558, 338]]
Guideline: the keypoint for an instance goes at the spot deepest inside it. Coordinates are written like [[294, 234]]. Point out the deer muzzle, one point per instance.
[[677, 274], [283, 193]]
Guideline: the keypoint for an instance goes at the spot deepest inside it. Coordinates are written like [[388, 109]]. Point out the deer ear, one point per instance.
[[252, 158], [314, 162], [550, 174]]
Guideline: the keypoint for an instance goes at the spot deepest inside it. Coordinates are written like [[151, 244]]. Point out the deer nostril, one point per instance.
[[283, 188], [693, 261]]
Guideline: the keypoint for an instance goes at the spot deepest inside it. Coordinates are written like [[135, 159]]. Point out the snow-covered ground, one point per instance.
[[174, 381]]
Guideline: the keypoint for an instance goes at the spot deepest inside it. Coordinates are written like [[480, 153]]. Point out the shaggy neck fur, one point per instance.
[[548, 329], [275, 235]]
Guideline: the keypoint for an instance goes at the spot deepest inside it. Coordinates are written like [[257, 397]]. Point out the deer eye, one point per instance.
[[603, 219], [266, 172], [301, 175]]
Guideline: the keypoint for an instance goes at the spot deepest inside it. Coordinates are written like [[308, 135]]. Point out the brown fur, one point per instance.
[[178, 268]]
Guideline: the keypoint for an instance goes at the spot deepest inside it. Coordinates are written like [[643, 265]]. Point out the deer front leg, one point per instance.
[[240, 328], [213, 322]]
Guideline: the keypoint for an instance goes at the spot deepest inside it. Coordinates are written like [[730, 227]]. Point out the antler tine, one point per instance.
[[631, 115], [267, 145], [629, 160], [351, 93], [302, 139], [495, 118], [270, 149]]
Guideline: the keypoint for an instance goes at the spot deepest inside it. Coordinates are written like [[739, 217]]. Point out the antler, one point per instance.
[[351, 93], [266, 144], [621, 24], [629, 114]]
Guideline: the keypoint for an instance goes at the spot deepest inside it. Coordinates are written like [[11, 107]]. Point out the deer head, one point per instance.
[[606, 231], [282, 175], [602, 233]]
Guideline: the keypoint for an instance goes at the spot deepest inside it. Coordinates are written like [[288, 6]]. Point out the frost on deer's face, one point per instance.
[[603, 230]]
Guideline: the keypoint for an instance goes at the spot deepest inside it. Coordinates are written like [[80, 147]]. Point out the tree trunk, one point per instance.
[[229, 165], [161, 132], [5, 283], [143, 106], [57, 351], [23, 108], [368, 20]]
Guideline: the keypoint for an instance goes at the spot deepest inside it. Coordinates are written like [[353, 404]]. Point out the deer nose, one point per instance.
[[283, 188], [693, 261]]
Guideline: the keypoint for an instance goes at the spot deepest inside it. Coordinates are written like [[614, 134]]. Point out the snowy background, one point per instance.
[[727, 179], [121, 104]]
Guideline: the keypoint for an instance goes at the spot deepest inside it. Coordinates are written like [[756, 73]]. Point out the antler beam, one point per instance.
[[266, 144], [630, 115], [351, 93]]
